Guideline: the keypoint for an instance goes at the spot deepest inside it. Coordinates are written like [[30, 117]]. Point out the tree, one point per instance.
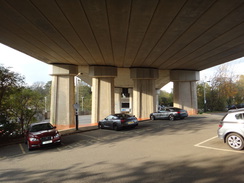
[[9, 82], [19, 104], [24, 105], [222, 90], [165, 98], [239, 97], [85, 92]]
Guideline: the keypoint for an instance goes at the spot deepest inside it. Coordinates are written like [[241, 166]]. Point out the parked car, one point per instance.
[[41, 134], [231, 129], [170, 113], [237, 106], [118, 121]]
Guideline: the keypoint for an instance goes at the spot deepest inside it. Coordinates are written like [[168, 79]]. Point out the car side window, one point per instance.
[[240, 116], [110, 117], [168, 110]]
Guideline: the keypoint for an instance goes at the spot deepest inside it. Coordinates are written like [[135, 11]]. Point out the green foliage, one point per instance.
[[165, 98], [19, 105], [24, 105], [223, 90], [9, 82], [85, 93]]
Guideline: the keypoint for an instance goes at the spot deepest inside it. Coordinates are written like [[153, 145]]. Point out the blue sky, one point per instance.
[[36, 71]]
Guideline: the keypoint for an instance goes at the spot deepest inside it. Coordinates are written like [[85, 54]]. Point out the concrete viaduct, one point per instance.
[[116, 45]]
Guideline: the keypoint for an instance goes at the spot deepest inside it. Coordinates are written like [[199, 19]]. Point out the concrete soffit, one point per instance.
[[123, 79]]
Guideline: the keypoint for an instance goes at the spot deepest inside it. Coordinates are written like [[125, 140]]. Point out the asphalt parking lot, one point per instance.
[[156, 151]]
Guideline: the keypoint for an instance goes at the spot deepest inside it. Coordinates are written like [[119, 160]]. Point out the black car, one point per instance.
[[118, 121], [170, 113]]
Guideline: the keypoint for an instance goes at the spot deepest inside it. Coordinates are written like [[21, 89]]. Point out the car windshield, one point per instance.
[[175, 109], [123, 115], [41, 127]]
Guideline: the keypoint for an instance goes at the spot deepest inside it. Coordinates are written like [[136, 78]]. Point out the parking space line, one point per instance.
[[213, 148], [206, 141], [89, 136], [22, 149]]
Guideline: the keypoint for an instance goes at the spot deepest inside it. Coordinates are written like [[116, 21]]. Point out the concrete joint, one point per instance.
[[103, 71], [184, 75], [144, 73], [64, 70]]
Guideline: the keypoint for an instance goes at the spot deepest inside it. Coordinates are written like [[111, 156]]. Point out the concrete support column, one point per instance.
[[144, 91], [117, 100], [131, 100], [102, 91], [185, 89], [63, 95]]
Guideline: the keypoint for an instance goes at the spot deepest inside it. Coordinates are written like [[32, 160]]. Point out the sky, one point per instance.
[[36, 71]]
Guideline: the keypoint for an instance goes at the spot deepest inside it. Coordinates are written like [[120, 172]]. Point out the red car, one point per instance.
[[41, 134]]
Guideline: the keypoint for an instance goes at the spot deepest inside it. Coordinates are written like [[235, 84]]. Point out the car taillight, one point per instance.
[[220, 125], [122, 120], [178, 112]]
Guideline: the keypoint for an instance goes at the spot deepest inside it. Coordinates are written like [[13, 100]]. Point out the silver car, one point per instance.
[[231, 129], [118, 121]]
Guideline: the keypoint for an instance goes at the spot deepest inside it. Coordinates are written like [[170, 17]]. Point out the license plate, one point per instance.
[[47, 142], [131, 122]]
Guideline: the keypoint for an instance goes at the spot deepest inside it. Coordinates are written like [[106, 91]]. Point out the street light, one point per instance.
[[82, 104], [204, 97], [76, 105]]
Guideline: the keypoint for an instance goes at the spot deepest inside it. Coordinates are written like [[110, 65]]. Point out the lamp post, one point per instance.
[[82, 104], [204, 97], [76, 105]]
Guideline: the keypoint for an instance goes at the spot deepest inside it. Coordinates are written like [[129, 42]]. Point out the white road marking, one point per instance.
[[213, 148], [22, 149]]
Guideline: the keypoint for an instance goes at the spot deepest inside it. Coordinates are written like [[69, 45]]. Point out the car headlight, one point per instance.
[[33, 139], [57, 135]]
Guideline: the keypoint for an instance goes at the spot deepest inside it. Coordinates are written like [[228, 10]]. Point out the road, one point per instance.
[[156, 151]]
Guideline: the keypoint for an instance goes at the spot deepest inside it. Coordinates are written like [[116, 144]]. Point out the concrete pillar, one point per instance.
[[102, 91], [131, 100], [62, 95], [185, 92], [144, 91], [117, 100]]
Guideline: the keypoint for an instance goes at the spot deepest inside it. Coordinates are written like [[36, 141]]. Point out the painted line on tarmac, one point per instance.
[[92, 137], [22, 149], [213, 148]]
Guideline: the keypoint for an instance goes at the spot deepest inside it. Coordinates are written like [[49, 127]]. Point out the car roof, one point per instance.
[[236, 110], [43, 122]]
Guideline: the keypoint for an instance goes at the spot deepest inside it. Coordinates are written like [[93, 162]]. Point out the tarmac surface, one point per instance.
[[180, 151]]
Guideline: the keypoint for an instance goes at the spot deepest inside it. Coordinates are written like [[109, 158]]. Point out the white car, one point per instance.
[[231, 129]]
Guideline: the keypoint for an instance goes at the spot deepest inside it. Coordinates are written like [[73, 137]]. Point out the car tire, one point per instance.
[[28, 145], [100, 126], [235, 141], [115, 127], [152, 117], [171, 117]]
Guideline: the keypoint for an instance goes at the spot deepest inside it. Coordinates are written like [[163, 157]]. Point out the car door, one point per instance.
[[109, 121], [106, 122], [161, 114]]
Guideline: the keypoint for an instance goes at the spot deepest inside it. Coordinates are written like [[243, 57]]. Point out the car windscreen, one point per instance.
[[122, 116], [41, 127]]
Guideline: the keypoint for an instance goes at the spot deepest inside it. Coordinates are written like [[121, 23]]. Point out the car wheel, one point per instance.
[[28, 145], [171, 117], [152, 117], [115, 127], [100, 126], [235, 141]]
